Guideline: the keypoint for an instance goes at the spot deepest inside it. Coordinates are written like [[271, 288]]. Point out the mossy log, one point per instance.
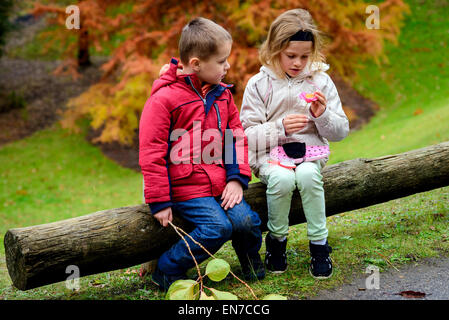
[[123, 237]]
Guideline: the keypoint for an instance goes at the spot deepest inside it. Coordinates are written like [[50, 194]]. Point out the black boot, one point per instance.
[[164, 281], [247, 248], [320, 264], [275, 258], [252, 267]]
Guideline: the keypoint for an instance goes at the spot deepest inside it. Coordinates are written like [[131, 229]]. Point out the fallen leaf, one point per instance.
[[97, 283], [412, 294], [417, 112], [21, 192]]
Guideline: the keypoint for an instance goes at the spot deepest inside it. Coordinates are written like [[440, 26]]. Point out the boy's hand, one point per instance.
[[294, 123], [164, 216], [319, 106], [232, 194]]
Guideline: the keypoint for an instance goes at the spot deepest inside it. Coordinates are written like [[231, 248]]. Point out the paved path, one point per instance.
[[429, 276]]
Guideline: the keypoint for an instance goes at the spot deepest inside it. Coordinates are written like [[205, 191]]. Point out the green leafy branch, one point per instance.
[[216, 270]]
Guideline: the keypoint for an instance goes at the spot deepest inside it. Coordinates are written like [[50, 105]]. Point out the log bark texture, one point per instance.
[[123, 237]]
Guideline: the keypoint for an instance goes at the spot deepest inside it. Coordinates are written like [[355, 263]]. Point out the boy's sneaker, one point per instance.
[[320, 264], [252, 267], [275, 257], [164, 281]]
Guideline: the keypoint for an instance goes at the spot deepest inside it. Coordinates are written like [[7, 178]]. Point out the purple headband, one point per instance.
[[302, 35]]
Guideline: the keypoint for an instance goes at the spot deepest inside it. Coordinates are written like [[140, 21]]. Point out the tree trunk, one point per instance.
[[124, 237], [83, 48]]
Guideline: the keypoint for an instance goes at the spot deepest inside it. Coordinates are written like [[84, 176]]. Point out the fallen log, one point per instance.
[[123, 237]]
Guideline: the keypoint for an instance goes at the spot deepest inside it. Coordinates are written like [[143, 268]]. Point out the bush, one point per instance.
[[5, 25], [10, 101]]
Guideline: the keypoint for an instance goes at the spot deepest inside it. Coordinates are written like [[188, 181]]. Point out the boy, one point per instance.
[[182, 112]]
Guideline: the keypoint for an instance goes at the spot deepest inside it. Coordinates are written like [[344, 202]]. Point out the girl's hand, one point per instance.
[[294, 123], [319, 106], [164, 216], [232, 194], [164, 69], [166, 66]]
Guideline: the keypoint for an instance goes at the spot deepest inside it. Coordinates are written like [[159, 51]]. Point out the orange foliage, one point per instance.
[[152, 29]]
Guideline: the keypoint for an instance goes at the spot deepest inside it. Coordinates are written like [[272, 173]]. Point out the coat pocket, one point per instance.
[[180, 171]]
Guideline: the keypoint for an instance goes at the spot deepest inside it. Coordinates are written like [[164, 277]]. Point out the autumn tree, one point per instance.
[[150, 30]]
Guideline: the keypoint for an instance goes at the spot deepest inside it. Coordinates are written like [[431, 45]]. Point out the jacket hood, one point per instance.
[[309, 70], [167, 78]]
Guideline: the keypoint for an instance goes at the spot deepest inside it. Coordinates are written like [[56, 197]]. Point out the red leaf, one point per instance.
[[412, 294]]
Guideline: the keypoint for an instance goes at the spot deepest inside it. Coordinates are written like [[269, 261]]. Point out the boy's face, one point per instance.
[[215, 68], [294, 58]]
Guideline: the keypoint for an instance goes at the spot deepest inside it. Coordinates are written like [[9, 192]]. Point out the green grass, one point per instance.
[[53, 176], [388, 235], [412, 89]]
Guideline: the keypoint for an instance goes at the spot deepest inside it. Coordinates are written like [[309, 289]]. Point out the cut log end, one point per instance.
[[15, 260]]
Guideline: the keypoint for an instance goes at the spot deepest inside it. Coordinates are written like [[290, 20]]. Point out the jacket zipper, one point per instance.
[[202, 99], [218, 118], [289, 95], [205, 105]]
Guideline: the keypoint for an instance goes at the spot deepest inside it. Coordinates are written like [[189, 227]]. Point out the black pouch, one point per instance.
[[295, 149]]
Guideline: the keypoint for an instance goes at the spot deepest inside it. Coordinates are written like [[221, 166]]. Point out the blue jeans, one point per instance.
[[213, 227]]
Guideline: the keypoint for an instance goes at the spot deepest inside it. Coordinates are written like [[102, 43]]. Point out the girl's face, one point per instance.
[[294, 58]]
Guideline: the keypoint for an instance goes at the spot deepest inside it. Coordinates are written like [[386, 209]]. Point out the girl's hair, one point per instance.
[[201, 38], [285, 26]]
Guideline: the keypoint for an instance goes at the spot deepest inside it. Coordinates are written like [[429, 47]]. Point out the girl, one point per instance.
[[282, 123]]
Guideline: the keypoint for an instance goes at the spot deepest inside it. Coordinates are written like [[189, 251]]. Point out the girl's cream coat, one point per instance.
[[268, 99]]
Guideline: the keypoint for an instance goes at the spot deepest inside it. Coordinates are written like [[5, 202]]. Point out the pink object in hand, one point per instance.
[[309, 97], [279, 157]]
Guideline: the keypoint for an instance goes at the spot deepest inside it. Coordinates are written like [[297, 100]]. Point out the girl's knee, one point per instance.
[[282, 182], [308, 176]]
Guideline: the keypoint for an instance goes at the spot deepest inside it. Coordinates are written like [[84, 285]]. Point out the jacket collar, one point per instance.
[[308, 71], [192, 80]]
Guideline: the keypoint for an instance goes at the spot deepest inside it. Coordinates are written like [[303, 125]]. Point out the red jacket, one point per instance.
[[186, 149]]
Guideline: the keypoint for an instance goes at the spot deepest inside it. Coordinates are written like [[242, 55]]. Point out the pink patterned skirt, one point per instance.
[[279, 157]]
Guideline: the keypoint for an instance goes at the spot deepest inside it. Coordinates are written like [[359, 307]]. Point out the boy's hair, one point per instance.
[[200, 38], [282, 28]]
